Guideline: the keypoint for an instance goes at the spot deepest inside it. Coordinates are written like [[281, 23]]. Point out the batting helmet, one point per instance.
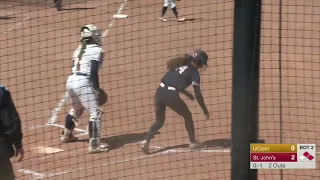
[[199, 57], [91, 31]]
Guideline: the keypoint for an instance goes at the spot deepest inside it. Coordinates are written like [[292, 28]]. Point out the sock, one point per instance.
[[93, 131], [164, 10], [69, 124], [175, 11]]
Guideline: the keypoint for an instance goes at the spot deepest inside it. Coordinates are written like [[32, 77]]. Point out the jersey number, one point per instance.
[[182, 69]]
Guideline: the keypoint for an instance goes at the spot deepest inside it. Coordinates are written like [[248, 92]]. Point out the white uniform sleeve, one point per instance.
[[98, 56]]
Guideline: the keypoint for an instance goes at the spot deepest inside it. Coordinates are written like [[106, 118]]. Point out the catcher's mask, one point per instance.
[[91, 31]]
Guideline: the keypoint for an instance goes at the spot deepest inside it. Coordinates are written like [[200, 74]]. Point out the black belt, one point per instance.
[[80, 74]]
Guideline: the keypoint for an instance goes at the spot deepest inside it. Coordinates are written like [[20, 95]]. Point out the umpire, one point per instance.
[[10, 135]]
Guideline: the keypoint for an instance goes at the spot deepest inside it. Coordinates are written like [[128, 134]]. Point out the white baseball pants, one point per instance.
[[82, 95], [172, 2]]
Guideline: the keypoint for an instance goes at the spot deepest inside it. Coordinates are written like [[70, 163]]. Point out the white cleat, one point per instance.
[[145, 147], [99, 148], [163, 19], [181, 19], [96, 147], [196, 145], [67, 136]]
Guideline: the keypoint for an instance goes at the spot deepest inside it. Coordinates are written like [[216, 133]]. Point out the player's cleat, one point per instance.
[[163, 19], [67, 136], [96, 147], [196, 145], [181, 19], [145, 147]]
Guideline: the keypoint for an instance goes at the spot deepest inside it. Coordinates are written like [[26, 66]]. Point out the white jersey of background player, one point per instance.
[[82, 88]]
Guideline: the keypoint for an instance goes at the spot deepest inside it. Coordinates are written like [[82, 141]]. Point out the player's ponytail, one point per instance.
[[177, 62], [83, 47]]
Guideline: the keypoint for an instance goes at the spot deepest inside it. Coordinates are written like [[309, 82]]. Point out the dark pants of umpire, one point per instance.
[[6, 170], [170, 98], [58, 3]]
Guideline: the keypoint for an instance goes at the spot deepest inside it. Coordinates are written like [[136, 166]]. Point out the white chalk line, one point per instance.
[[16, 25], [55, 112], [35, 175], [82, 131], [166, 152], [105, 33]]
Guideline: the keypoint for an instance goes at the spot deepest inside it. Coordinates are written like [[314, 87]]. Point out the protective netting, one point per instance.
[[37, 43], [290, 78]]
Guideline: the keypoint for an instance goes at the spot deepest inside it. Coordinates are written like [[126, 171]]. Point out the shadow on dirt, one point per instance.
[[119, 141], [193, 19], [77, 9], [219, 144], [8, 17]]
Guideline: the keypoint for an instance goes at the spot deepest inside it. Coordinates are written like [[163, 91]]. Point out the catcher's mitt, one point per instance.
[[102, 97]]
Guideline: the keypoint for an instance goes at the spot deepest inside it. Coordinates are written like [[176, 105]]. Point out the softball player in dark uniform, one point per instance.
[[183, 71]]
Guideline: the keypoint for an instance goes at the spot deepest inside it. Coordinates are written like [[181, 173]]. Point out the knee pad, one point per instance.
[[71, 122], [166, 4]]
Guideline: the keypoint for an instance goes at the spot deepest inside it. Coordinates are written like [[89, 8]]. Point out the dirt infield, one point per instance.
[[37, 43], [37, 48]]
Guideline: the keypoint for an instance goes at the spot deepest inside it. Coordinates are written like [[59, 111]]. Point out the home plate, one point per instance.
[[120, 16], [47, 150]]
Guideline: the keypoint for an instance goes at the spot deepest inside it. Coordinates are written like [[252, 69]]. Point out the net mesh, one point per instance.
[[36, 45], [290, 78]]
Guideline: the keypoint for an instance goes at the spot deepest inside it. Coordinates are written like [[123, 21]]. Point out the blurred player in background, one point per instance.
[[183, 71], [83, 88], [174, 9], [58, 5]]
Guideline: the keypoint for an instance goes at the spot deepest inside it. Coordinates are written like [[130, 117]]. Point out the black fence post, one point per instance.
[[245, 86]]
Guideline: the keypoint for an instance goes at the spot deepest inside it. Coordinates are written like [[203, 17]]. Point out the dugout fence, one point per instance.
[[288, 81]]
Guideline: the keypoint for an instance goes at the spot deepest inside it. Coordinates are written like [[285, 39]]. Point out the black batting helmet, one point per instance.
[[200, 57]]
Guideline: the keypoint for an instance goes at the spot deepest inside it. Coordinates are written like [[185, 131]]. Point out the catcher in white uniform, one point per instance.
[[83, 88], [174, 10]]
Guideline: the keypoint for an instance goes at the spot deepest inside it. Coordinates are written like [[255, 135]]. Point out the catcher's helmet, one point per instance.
[[91, 31], [199, 57]]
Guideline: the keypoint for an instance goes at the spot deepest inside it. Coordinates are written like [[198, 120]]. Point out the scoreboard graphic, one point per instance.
[[283, 156]]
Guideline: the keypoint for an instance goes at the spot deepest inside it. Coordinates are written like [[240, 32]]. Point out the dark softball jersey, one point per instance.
[[181, 78]]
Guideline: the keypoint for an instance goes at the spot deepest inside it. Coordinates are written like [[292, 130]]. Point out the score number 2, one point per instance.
[[293, 157]]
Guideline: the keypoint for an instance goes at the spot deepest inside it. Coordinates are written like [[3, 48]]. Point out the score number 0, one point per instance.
[[293, 156]]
